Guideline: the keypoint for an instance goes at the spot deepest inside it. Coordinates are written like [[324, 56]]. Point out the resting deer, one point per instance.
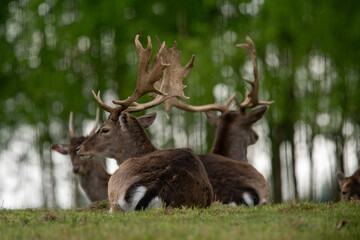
[[91, 172], [148, 177], [349, 186], [233, 179]]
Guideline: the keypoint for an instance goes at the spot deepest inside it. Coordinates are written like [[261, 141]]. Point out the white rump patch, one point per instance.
[[232, 204], [156, 202], [137, 196], [248, 200]]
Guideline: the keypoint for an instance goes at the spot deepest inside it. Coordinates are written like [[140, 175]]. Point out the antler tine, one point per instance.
[[251, 98], [114, 111], [71, 126], [174, 102], [148, 75], [228, 102], [171, 84], [97, 118]]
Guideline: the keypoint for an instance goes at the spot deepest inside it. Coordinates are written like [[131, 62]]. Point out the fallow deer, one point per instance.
[[233, 179], [91, 172], [148, 177], [349, 186]]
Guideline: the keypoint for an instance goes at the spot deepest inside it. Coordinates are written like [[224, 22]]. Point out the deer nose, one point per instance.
[[76, 170]]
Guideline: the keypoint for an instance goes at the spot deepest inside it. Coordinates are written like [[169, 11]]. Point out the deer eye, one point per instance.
[[104, 130], [344, 193]]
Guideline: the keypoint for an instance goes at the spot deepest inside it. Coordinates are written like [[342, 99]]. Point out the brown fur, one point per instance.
[[226, 165], [91, 172], [230, 179], [180, 173], [349, 186], [174, 169]]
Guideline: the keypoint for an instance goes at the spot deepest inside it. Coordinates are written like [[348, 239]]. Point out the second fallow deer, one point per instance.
[[91, 172], [148, 177], [233, 179], [234, 131]]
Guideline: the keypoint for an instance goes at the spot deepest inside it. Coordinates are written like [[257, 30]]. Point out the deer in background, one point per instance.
[[91, 172], [349, 186], [148, 177], [234, 180], [234, 131]]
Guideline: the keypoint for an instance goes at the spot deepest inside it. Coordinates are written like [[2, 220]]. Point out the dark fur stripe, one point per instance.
[[149, 195], [130, 191]]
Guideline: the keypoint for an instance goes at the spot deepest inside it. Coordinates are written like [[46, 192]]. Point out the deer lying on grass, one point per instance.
[[349, 186], [148, 177], [234, 180], [91, 173]]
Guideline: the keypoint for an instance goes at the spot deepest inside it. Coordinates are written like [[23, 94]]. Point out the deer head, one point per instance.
[[349, 186], [234, 127], [80, 166], [122, 135]]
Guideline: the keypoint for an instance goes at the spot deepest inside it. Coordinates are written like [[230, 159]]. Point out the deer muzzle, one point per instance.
[[82, 153]]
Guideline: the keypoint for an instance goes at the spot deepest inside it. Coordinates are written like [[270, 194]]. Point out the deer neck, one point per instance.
[[134, 146], [229, 144]]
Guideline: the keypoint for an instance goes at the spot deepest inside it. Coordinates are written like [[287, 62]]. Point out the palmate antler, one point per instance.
[[251, 98], [149, 79]]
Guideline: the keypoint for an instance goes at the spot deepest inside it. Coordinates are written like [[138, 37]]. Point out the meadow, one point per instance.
[[293, 220]]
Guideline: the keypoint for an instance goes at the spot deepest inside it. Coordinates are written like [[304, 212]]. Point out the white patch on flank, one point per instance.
[[248, 200], [232, 204], [137, 196], [156, 202]]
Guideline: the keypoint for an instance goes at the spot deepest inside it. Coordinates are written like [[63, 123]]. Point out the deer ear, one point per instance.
[[256, 115], [340, 176], [61, 148], [124, 120], [147, 120], [213, 119]]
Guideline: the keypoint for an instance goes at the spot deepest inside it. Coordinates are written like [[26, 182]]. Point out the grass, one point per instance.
[[296, 220]]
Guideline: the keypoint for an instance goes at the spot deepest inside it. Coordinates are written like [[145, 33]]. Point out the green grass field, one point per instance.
[[303, 220]]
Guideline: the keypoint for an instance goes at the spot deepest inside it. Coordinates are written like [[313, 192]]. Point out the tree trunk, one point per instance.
[[43, 172], [312, 183], [293, 169], [276, 171]]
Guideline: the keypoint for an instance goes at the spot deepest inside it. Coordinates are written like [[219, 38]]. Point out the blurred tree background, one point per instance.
[[54, 52]]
